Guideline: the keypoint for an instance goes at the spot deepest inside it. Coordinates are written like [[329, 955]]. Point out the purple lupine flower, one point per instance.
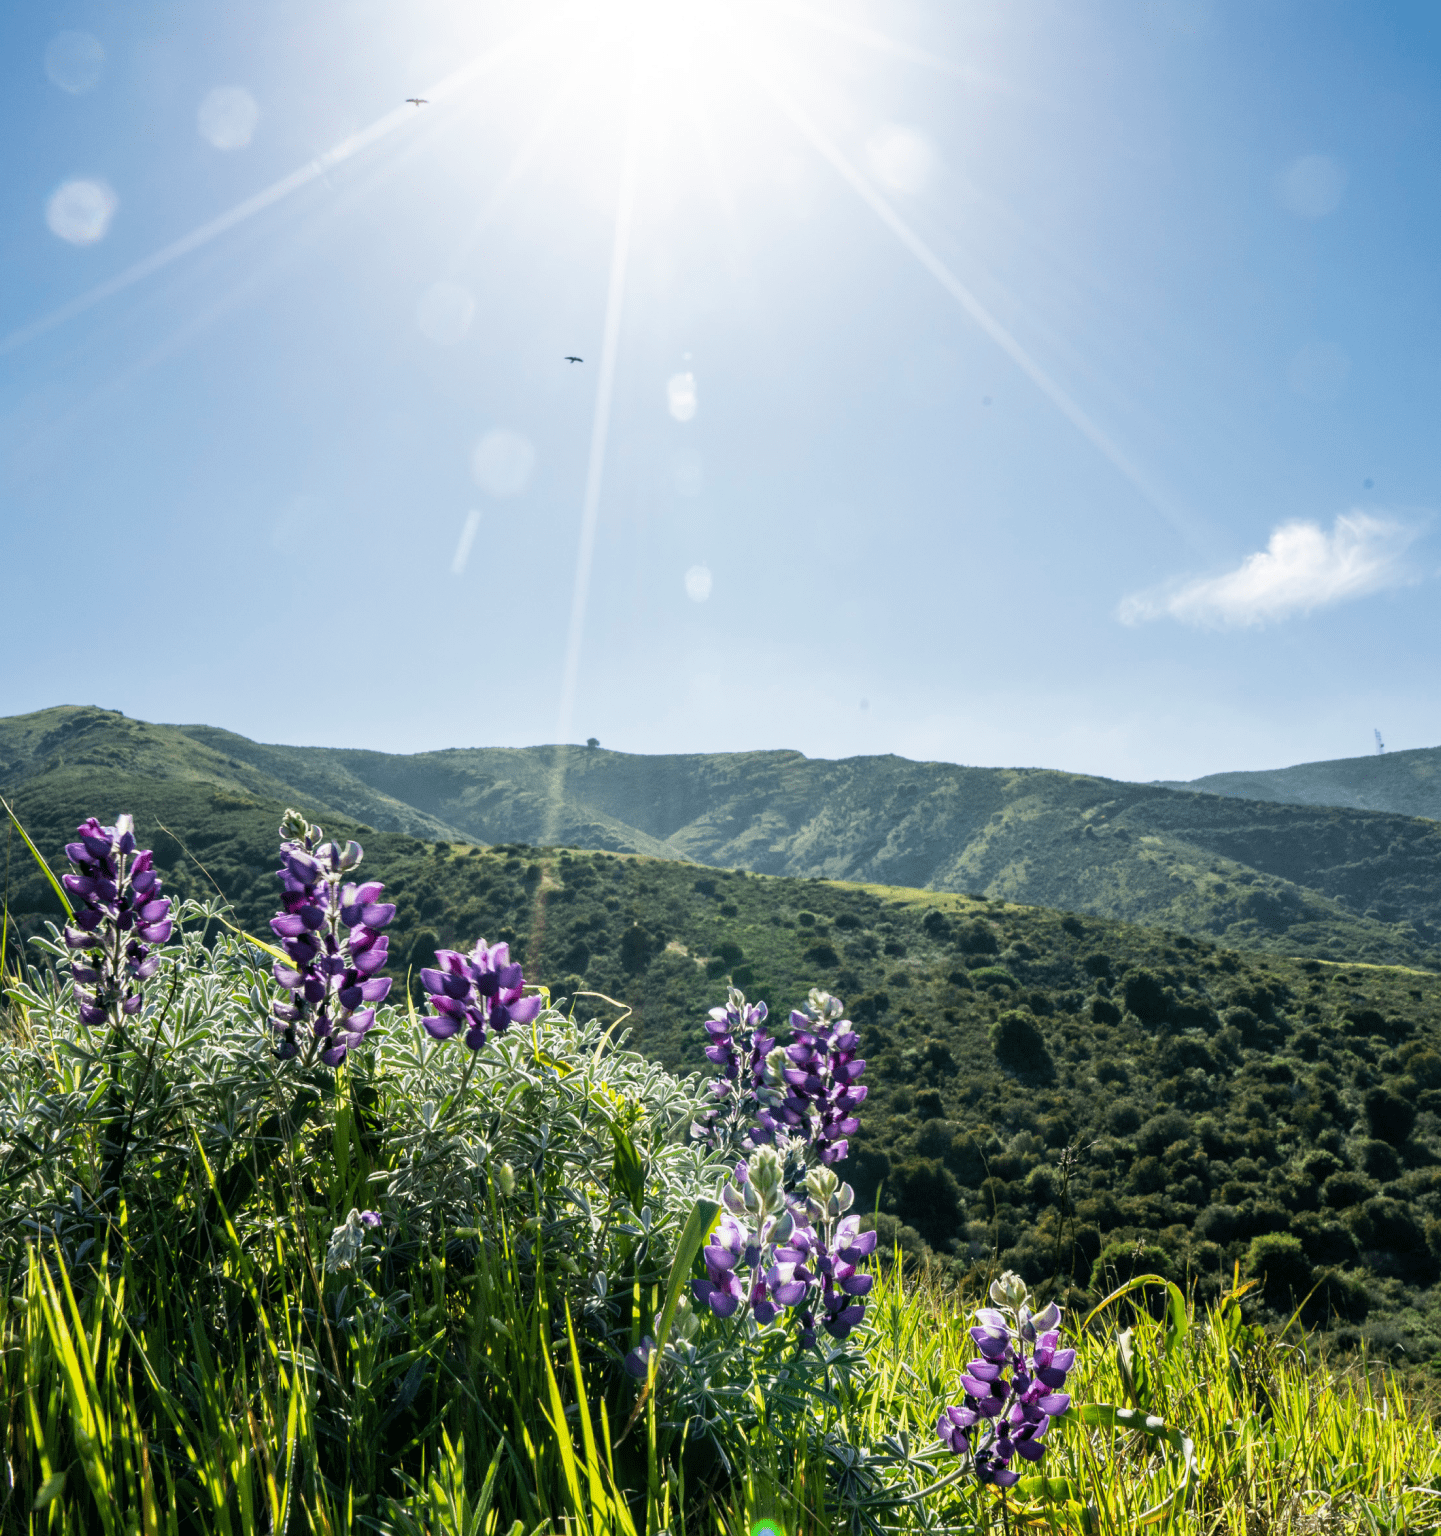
[[330, 933], [821, 1075], [120, 914], [757, 1234], [837, 1248], [478, 992], [721, 1290], [637, 1360], [1014, 1390], [738, 1046]]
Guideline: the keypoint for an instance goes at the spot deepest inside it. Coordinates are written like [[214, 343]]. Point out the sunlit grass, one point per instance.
[[122, 1414]]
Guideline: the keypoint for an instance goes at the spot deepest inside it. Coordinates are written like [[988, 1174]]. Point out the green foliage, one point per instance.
[[1280, 1263], [1020, 1046], [193, 1363], [1268, 1062]]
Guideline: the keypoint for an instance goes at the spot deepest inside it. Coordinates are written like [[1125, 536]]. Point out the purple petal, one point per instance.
[[440, 1027], [445, 983], [524, 1009], [372, 959]]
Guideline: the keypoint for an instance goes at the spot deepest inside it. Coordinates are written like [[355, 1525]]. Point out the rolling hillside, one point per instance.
[[1407, 783], [1295, 879], [1218, 1106]]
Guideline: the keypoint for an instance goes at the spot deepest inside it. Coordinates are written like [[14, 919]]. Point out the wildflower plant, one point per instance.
[[785, 1243], [749, 1081], [119, 918], [479, 993], [1013, 1391], [329, 929]]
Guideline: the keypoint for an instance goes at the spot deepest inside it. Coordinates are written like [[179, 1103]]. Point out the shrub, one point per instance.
[[1378, 1159], [935, 1138], [1122, 1118], [1320, 1165], [1184, 1053], [993, 976], [976, 938], [928, 1198], [1345, 1189], [1279, 1262], [1104, 1011], [1326, 1240], [1020, 1046], [1161, 1130], [1388, 1116], [1124, 1261], [1145, 996], [929, 1104], [1337, 1295]]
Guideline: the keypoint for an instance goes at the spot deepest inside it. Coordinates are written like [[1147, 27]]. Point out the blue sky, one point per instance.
[[1036, 384]]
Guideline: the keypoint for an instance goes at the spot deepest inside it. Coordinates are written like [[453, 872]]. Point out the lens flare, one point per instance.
[[80, 211], [227, 117]]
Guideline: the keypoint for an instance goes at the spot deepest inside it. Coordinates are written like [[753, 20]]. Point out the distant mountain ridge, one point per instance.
[[1405, 783], [1304, 878]]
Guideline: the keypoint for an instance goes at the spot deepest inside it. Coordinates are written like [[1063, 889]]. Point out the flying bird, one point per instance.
[[575, 359], [417, 101]]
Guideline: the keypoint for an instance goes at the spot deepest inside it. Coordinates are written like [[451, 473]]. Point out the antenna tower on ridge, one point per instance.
[[1380, 745]]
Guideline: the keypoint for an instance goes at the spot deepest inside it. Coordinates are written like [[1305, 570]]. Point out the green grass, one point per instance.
[[1192, 1422]]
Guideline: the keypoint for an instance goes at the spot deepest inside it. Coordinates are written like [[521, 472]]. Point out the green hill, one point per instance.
[[1217, 1105], [1407, 783], [1310, 879]]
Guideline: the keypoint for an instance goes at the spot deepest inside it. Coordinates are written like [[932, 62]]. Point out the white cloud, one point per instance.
[[1301, 568], [698, 583]]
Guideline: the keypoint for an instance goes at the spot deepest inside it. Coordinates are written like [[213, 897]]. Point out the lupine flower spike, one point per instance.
[[739, 1047], [330, 932], [1014, 1390], [820, 1071], [120, 914], [785, 1242], [478, 993]]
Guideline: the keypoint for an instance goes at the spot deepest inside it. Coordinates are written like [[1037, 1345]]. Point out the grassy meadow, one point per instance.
[[190, 1363], [1219, 1163]]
